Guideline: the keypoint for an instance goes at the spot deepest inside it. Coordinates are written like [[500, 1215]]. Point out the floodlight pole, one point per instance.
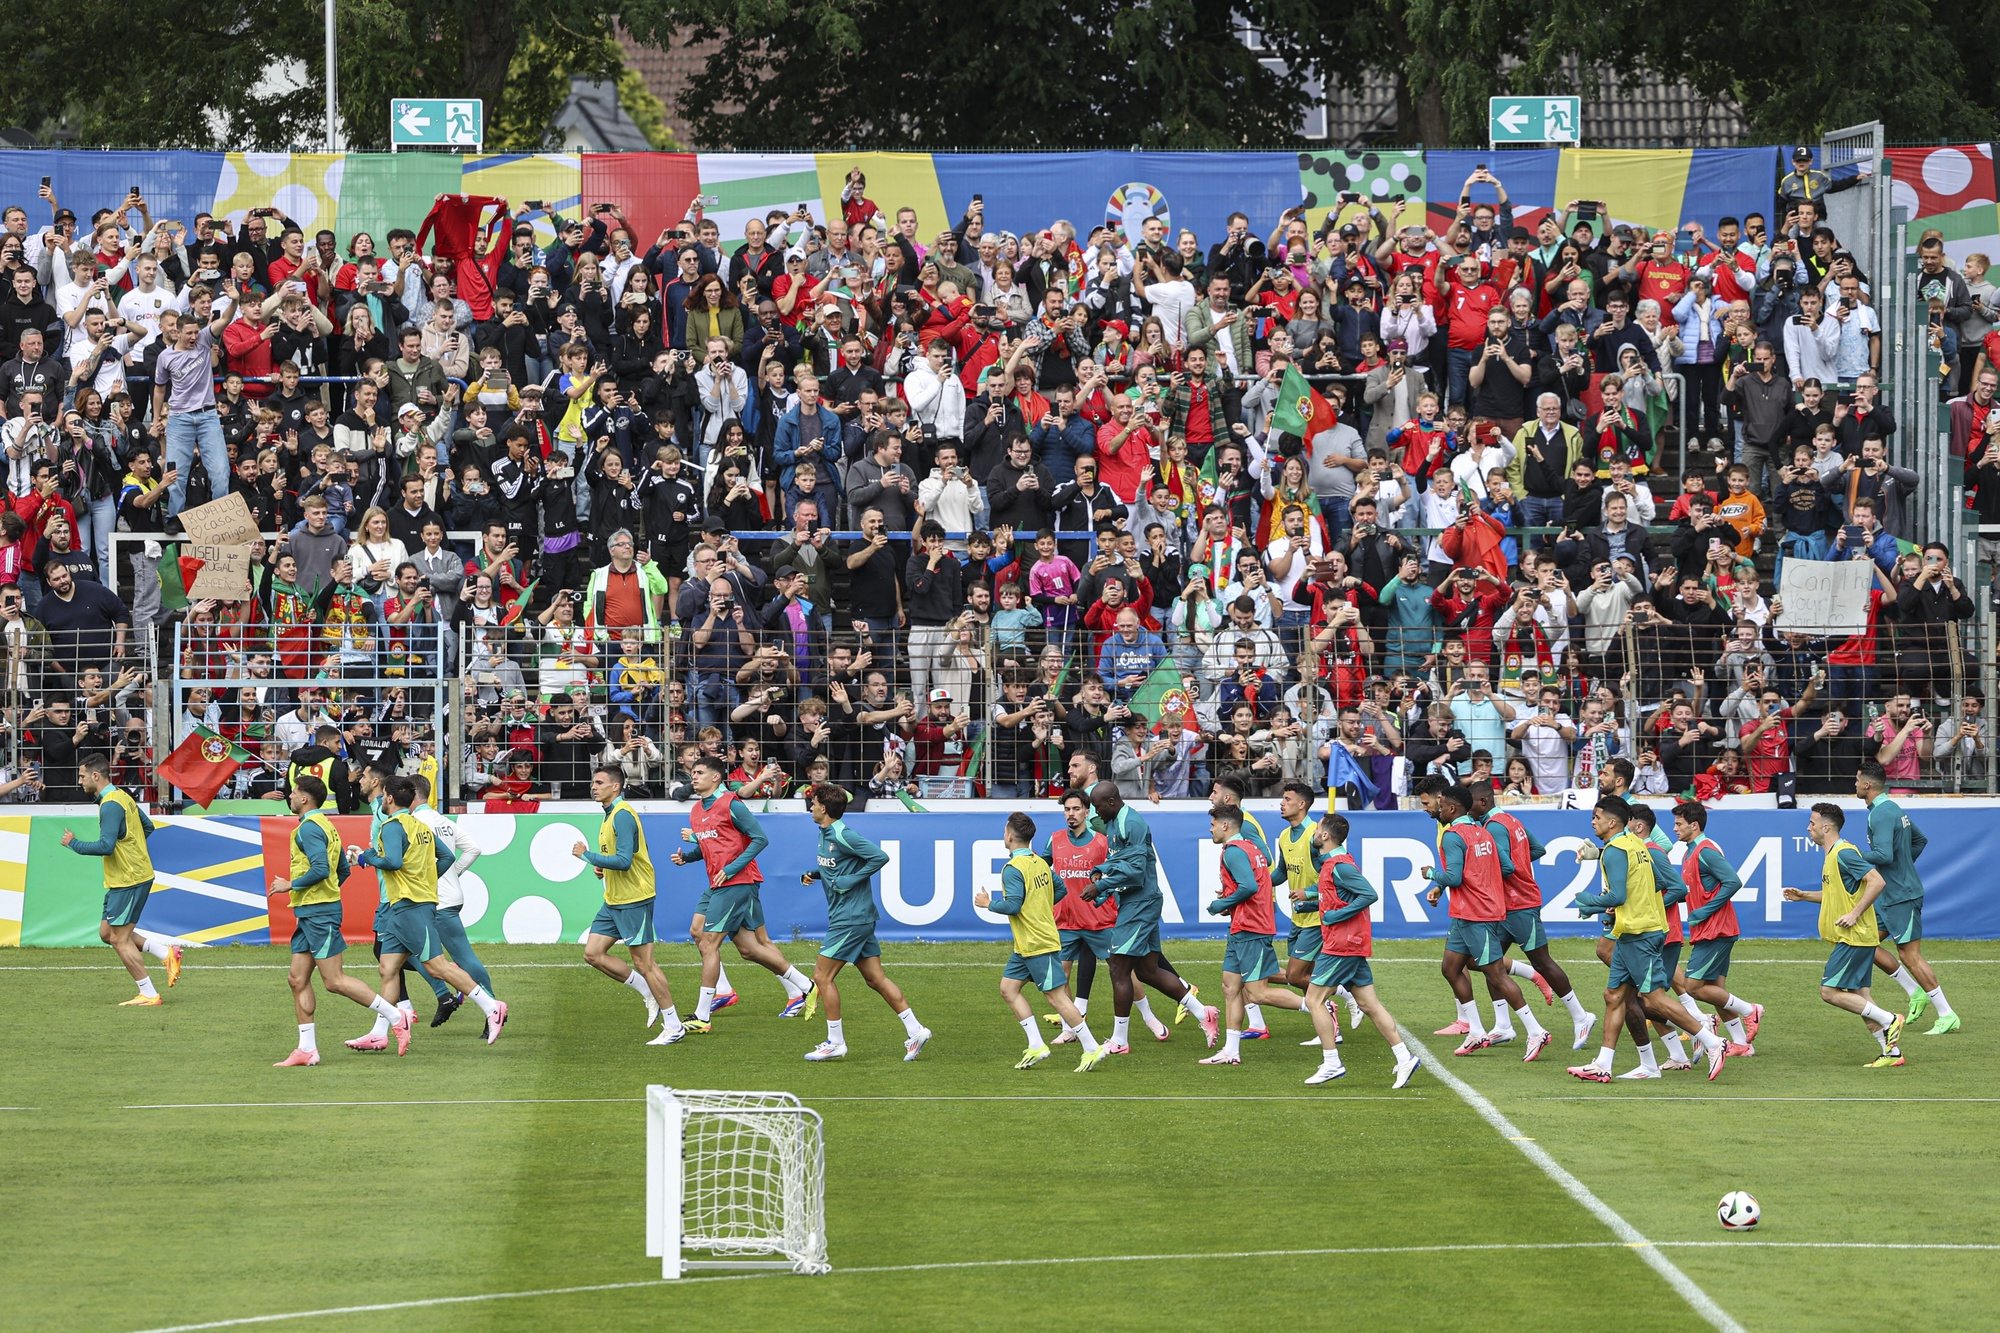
[[332, 92]]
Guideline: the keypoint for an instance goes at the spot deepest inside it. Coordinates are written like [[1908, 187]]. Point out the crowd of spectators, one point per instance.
[[597, 487]]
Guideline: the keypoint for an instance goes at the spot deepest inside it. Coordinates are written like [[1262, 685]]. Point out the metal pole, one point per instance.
[[332, 90]]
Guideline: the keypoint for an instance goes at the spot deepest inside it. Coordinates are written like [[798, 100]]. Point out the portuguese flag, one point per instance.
[[1300, 410], [177, 574], [202, 763]]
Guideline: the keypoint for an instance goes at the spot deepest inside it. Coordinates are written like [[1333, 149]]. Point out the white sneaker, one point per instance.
[[1325, 1075], [1310, 1041], [1500, 1038], [1404, 1069], [1583, 1031], [826, 1050], [912, 1048], [667, 1038], [1640, 1073], [1353, 1013], [652, 1013]]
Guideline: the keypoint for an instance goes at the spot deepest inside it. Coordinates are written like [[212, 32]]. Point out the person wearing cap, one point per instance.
[[938, 737], [1656, 274], [1805, 183], [1238, 257]]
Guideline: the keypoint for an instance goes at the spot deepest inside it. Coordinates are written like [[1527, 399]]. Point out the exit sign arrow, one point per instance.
[[1513, 119], [412, 118]]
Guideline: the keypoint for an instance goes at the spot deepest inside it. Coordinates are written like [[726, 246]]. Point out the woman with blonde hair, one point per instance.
[[375, 554]]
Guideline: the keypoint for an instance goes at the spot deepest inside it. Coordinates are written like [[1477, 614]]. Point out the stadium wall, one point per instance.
[[527, 888]]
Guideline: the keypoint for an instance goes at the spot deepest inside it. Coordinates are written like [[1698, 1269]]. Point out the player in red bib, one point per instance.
[[1523, 923], [1084, 927], [727, 839], [1474, 867], [1251, 956], [1345, 941], [1712, 931]]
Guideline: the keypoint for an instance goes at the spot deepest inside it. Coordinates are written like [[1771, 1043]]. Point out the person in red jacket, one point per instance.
[[1474, 541], [1470, 602], [1467, 299], [856, 208], [454, 226]]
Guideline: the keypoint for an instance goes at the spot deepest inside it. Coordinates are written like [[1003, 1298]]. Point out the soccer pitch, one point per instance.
[[162, 1174]]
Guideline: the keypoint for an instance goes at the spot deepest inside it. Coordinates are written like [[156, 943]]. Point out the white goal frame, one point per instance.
[[738, 1178]]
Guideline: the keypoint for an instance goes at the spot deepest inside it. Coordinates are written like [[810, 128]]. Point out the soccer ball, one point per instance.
[[1738, 1211]]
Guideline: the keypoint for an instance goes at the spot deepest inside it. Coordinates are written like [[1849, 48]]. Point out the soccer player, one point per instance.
[[727, 839], [1673, 890], [1848, 889], [1131, 871], [1632, 889], [1522, 925], [1346, 941], [122, 830], [371, 782], [406, 859], [1473, 866], [1072, 852], [313, 885], [1251, 956], [1712, 930], [1028, 894], [1894, 844], [848, 863], [455, 853], [1084, 775], [1227, 789], [625, 864], [1296, 852]]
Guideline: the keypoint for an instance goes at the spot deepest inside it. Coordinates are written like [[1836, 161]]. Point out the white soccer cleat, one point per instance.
[[667, 1038], [1639, 1074], [914, 1047], [1222, 1058], [1325, 1075], [1404, 1069], [652, 1013], [1583, 1031], [826, 1050]]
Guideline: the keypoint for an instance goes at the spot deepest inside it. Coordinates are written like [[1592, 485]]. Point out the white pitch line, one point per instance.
[[1700, 1301], [586, 1101], [1059, 1262]]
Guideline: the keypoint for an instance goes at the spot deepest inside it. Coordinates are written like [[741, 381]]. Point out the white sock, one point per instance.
[[1501, 1023], [1527, 1017], [1468, 1014], [385, 1014], [1877, 1015], [1649, 1058], [1121, 1031], [704, 1004], [1232, 1042], [1603, 1060], [1881, 1039], [1517, 968], [308, 1036], [1707, 1041], [1144, 1007], [638, 983], [1901, 976], [156, 946], [913, 1027], [1400, 1051], [1193, 1005], [670, 1019], [146, 987], [722, 986], [836, 1033], [1689, 1003], [1253, 1016], [1577, 1013], [1083, 1005], [1937, 998], [407, 1007], [1329, 1059], [1082, 1033], [797, 982], [1676, 1051], [1736, 1008], [487, 1004], [1034, 1035], [1737, 1033]]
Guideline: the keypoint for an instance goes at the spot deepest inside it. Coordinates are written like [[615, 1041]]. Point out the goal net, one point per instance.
[[734, 1180]]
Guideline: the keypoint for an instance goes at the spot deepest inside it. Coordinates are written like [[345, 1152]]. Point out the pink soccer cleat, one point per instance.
[[1222, 1058], [1117, 1048], [1737, 1050], [371, 1042], [299, 1058], [724, 1001], [1676, 1066], [1473, 1045], [1458, 1029], [401, 1027], [1062, 1038], [496, 1022], [1589, 1074], [1548, 991], [1160, 1031], [1536, 1045], [1209, 1026], [1716, 1056], [1754, 1021]]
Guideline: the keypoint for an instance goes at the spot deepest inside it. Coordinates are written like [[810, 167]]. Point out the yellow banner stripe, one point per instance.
[[222, 932], [224, 869]]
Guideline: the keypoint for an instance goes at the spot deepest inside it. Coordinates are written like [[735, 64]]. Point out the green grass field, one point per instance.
[[161, 1173]]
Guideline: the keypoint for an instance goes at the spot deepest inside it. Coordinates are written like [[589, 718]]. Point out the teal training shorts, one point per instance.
[[1481, 941], [628, 923], [124, 907], [1339, 969], [411, 930], [1523, 927], [1043, 971], [1076, 943], [850, 946], [732, 908], [1848, 966], [1636, 962], [1708, 960], [1900, 923], [1304, 943], [1252, 957], [316, 930]]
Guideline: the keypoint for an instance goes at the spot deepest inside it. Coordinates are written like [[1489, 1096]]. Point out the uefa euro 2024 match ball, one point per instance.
[[1738, 1211]]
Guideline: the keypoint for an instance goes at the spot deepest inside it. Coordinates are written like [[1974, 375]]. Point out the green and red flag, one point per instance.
[[1300, 410], [177, 571], [202, 763], [519, 607], [1165, 694]]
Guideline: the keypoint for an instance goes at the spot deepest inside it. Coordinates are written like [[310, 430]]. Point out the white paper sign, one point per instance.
[[1825, 596]]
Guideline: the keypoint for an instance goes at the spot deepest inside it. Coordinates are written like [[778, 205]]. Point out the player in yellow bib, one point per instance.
[[624, 863], [122, 830], [1848, 888], [406, 858], [1027, 898], [312, 883]]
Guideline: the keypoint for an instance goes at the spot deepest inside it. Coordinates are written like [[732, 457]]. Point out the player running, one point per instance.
[[1633, 889], [1346, 941], [1227, 789], [1849, 888], [1295, 851], [313, 885], [372, 781], [728, 839], [1251, 956], [625, 864], [1028, 894], [1712, 931], [1132, 872], [1673, 890], [455, 853], [122, 830], [1894, 844], [847, 865], [1072, 852], [1083, 776], [406, 859], [1473, 866], [1523, 923]]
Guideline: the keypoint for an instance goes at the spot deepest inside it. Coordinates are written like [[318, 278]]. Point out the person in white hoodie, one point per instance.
[[950, 497], [936, 397]]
